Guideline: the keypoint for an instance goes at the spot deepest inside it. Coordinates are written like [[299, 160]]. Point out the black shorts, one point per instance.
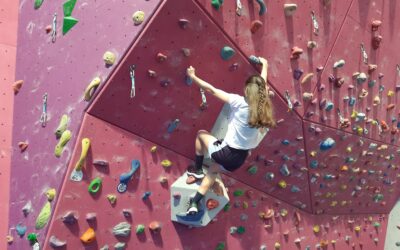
[[229, 158]]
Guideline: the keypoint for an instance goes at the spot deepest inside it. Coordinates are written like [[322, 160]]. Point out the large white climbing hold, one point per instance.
[[339, 64], [56, 243], [123, 229]]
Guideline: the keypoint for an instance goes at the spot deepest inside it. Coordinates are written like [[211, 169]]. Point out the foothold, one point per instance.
[[290, 9], [338, 82], [44, 216], [339, 64], [91, 88], [68, 7], [37, 4], [146, 195], [105, 247], [372, 68], [64, 139], [307, 78], [277, 245], [220, 246], [138, 17], [151, 73], [51, 194], [90, 217], [227, 53], [23, 146], [27, 208], [295, 189], [282, 184], [295, 53], [238, 192], [390, 107], [255, 26], [284, 170], [21, 230], [68, 23], [109, 58], [62, 126], [173, 126], [252, 170], [269, 176], [326, 144], [32, 238], [362, 77], [186, 52], [263, 7], [69, 218], [375, 25], [255, 60], [17, 86], [95, 185], [316, 229], [307, 96], [212, 204], [112, 198], [120, 246], [376, 41], [163, 179], [100, 163], [126, 177], [140, 229], [329, 106], [127, 213], [56, 243], [311, 44], [216, 4], [183, 23], [122, 229], [155, 226], [88, 236], [297, 73], [77, 174]]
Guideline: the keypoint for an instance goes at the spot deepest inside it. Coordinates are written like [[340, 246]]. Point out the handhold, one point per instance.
[[91, 88], [263, 7], [166, 163], [307, 96], [17, 86], [105, 247], [68, 7], [372, 68], [69, 218], [23, 146], [68, 23], [140, 228], [375, 25], [62, 126], [329, 106], [32, 238], [255, 26], [122, 229], [290, 9], [77, 174], [216, 4], [255, 60], [51, 194], [390, 93], [146, 195], [91, 217], [321, 87], [363, 93], [252, 169], [212, 204], [155, 226], [126, 177], [100, 163], [227, 53], [319, 69], [183, 23], [307, 78], [376, 41], [238, 192], [37, 4], [284, 170], [295, 189], [88, 236], [112, 198], [339, 64], [390, 106], [269, 176], [296, 52], [109, 58], [56, 243], [95, 185], [21, 230], [297, 73], [277, 246], [48, 29], [338, 82], [64, 139], [316, 229], [312, 45], [44, 216], [186, 52], [352, 101], [27, 208], [173, 126], [220, 246], [282, 184], [161, 57], [371, 83], [138, 17]]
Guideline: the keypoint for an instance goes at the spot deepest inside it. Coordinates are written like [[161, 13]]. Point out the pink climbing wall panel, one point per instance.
[[357, 175], [119, 147], [63, 70], [280, 33]]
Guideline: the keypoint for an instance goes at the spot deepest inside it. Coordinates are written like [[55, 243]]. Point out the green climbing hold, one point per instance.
[[216, 3], [95, 185], [68, 7], [220, 246], [252, 170], [43, 216], [238, 192], [377, 224], [140, 228], [241, 230], [32, 237], [227, 207], [38, 3], [227, 53], [69, 22]]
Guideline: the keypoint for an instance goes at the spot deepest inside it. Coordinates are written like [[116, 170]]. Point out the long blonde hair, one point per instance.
[[260, 105]]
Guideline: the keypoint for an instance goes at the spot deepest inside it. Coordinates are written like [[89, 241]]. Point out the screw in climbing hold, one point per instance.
[[364, 54], [54, 29], [126, 177], [132, 75], [315, 23], [161, 57], [17, 85], [77, 174], [183, 23], [255, 26], [376, 41], [295, 53], [227, 53], [173, 125], [109, 58], [43, 117], [88, 236], [146, 195]]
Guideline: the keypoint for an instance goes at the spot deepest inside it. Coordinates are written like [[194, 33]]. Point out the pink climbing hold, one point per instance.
[[296, 52], [375, 25], [376, 41], [151, 73], [255, 26], [161, 57], [17, 86]]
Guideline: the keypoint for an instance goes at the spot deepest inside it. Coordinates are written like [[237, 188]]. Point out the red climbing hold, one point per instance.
[[372, 68], [211, 204], [255, 25], [296, 52]]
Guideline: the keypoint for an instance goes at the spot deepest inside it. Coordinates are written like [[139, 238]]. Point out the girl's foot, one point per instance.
[[197, 173]]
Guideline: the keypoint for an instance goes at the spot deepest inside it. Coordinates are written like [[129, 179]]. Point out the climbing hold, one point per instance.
[[105, 247], [65, 137], [390, 107], [112, 198], [314, 164], [372, 68], [51, 194], [100, 163], [109, 58], [290, 9], [282, 184], [122, 229], [91, 217], [186, 52], [329, 106], [68, 23], [62, 126], [68, 7], [339, 64], [88, 236], [296, 52], [95, 185], [140, 229], [21, 230], [138, 17], [17, 86], [146, 195], [307, 96], [255, 60], [37, 4], [27, 208], [263, 7], [255, 26], [220, 246], [269, 176], [375, 25], [297, 73], [307, 78], [126, 177], [23, 146], [155, 226], [56, 243], [284, 170], [316, 229], [91, 88], [166, 163], [69, 218], [173, 126], [338, 82], [77, 174], [295, 189], [216, 4], [163, 179], [183, 23], [238, 192], [390, 93], [32, 238], [376, 41], [277, 245], [227, 53], [212, 204], [371, 83], [44, 216], [311, 44], [352, 101]]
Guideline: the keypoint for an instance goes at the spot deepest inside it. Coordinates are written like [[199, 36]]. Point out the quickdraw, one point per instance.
[[203, 104], [54, 29], [239, 8], [43, 117], [364, 54], [132, 74], [315, 23], [289, 102]]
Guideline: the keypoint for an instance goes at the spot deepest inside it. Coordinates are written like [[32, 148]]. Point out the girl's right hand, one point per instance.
[[191, 72], [263, 61]]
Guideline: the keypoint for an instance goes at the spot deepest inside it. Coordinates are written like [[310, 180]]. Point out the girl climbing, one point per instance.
[[250, 118]]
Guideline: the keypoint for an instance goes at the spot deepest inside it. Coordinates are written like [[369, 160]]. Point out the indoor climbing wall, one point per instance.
[[105, 120]]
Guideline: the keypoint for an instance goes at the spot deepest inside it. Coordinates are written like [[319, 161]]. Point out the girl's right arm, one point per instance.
[[264, 71]]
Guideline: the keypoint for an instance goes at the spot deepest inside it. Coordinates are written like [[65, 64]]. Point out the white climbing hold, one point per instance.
[[290, 9], [122, 229]]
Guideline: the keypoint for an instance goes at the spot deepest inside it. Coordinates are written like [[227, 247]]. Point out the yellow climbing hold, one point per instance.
[[109, 58], [112, 198], [390, 93], [277, 245], [65, 137], [43, 216], [333, 203], [166, 163], [316, 228], [348, 149], [354, 114], [62, 126], [357, 229], [245, 204], [313, 153], [282, 184], [153, 149], [360, 130], [283, 212], [85, 149], [51, 194], [91, 88], [344, 168]]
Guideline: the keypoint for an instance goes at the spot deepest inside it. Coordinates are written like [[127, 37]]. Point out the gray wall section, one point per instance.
[[393, 233]]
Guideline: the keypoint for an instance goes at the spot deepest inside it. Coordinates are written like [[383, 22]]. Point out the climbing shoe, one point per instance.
[[193, 208], [196, 173]]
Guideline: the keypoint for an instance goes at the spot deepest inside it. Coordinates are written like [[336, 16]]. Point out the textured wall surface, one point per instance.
[[342, 194]]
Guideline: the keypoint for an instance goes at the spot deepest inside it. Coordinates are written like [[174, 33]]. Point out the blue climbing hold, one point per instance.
[[285, 157], [371, 83], [326, 144], [227, 53], [329, 106], [285, 142], [294, 189], [263, 7], [314, 164], [352, 101], [146, 195], [329, 177], [126, 177], [284, 170], [21, 230], [300, 151], [173, 125], [255, 60]]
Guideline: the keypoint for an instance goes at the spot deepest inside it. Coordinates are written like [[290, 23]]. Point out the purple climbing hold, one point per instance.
[[69, 218], [297, 73]]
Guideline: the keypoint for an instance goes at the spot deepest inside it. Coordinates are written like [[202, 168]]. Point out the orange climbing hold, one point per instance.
[[89, 236], [212, 204], [17, 86], [155, 226]]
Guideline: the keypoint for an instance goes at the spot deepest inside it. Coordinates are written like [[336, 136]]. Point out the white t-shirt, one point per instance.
[[240, 135]]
